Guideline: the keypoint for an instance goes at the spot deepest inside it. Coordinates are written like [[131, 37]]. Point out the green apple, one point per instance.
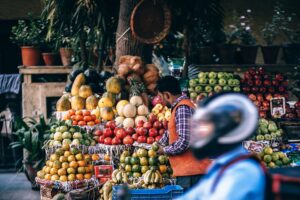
[[77, 135], [229, 75], [212, 75], [75, 142], [236, 89], [191, 89], [236, 82], [66, 141], [212, 81], [63, 129], [193, 82], [198, 89], [58, 136], [268, 137], [226, 88], [221, 75], [217, 88], [231, 82], [193, 95], [260, 137], [208, 88], [72, 130], [202, 75], [222, 81], [66, 135], [202, 80]]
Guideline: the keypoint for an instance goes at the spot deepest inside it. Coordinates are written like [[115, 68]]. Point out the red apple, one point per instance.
[[110, 124], [266, 104], [279, 77], [141, 131], [140, 124], [116, 141], [262, 90], [150, 140], [141, 139], [257, 103], [121, 133], [257, 77], [286, 95], [246, 89], [152, 118], [128, 140], [250, 82], [108, 141], [261, 71], [96, 138], [157, 125], [116, 130], [157, 138], [260, 97], [267, 83], [268, 97], [107, 132], [258, 82], [161, 131], [98, 133], [135, 136], [281, 89], [254, 89], [266, 76], [247, 76], [252, 97], [262, 114], [252, 71], [271, 90], [147, 125], [275, 83], [153, 132], [101, 139], [129, 131], [297, 104]]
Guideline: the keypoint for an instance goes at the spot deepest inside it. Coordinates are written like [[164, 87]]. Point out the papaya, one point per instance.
[[77, 103], [105, 102], [91, 102], [78, 82], [113, 97], [85, 91], [63, 104], [107, 113], [113, 85]]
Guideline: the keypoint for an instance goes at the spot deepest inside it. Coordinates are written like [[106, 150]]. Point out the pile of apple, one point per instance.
[[292, 112], [209, 83], [113, 135], [262, 87], [150, 131]]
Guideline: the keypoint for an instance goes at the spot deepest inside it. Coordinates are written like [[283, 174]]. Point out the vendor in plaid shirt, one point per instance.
[[175, 142]]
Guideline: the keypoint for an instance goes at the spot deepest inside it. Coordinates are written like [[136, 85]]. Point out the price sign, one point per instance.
[[277, 107]]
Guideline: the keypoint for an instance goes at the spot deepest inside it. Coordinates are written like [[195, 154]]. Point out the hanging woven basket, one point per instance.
[[150, 21]]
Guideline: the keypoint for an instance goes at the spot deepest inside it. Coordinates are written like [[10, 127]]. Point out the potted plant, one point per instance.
[[31, 135], [227, 51], [241, 34], [27, 34], [50, 51], [270, 32]]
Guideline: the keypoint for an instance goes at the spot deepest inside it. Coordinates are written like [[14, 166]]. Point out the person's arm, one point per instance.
[[164, 141], [182, 117]]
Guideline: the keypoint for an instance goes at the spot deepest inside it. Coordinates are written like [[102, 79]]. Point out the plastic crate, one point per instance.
[[169, 192]]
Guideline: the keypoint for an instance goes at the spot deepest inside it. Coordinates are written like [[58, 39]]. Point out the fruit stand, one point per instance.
[[108, 125]]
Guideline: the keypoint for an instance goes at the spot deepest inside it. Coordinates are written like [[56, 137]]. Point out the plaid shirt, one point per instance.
[[182, 116]]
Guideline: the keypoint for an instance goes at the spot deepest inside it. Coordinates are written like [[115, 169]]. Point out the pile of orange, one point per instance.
[[81, 118], [67, 165]]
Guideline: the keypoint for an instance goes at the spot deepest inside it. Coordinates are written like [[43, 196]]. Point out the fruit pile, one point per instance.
[[274, 159], [130, 113], [67, 165], [261, 88], [267, 130], [150, 131], [69, 135], [113, 135], [142, 160], [81, 118], [163, 113], [292, 112], [209, 83]]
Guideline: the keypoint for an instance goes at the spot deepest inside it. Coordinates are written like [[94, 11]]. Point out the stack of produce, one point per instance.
[[268, 130], [274, 159], [150, 131], [67, 165], [209, 83], [142, 160], [113, 135], [81, 118], [69, 135], [262, 87], [130, 113], [292, 112]]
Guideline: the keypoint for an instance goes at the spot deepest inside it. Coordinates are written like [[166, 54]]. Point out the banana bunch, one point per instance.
[[106, 191], [119, 176], [152, 179]]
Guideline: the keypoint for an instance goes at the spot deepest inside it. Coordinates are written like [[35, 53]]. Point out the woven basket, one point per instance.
[[150, 21], [47, 193]]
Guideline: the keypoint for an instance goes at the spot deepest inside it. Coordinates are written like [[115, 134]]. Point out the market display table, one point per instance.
[[41, 84]]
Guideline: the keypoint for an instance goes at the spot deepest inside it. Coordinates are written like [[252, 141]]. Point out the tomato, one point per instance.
[[107, 141], [116, 130], [135, 136], [73, 117], [93, 117], [78, 112], [74, 123], [87, 118], [110, 124], [157, 125], [71, 112], [128, 140], [86, 113], [81, 123], [67, 117], [153, 132], [79, 118], [150, 140], [98, 132], [107, 132], [142, 131], [97, 121], [91, 123], [141, 139], [116, 141], [129, 131]]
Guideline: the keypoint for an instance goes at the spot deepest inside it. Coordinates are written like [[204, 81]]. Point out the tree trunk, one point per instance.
[[126, 44]]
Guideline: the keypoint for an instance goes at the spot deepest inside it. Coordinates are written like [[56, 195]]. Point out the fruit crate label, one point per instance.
[[103, 171], [277, 107]]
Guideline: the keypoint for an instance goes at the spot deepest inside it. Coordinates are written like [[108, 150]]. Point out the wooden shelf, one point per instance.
[[243, 67], [45, 70]]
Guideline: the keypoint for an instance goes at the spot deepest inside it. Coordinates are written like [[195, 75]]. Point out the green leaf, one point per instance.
[[35, 140], [27, 141]]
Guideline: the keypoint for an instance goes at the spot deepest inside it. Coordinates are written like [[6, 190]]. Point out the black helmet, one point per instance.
[[221, 123]]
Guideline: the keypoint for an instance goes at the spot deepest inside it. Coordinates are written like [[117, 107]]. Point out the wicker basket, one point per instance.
[[47, 193], [150, 21]]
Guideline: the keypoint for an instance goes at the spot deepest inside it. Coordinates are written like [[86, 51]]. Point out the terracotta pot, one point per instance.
[[49, 58], [248, 54], [270, 54], [227, 53], [30, 55], [66, 55]]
